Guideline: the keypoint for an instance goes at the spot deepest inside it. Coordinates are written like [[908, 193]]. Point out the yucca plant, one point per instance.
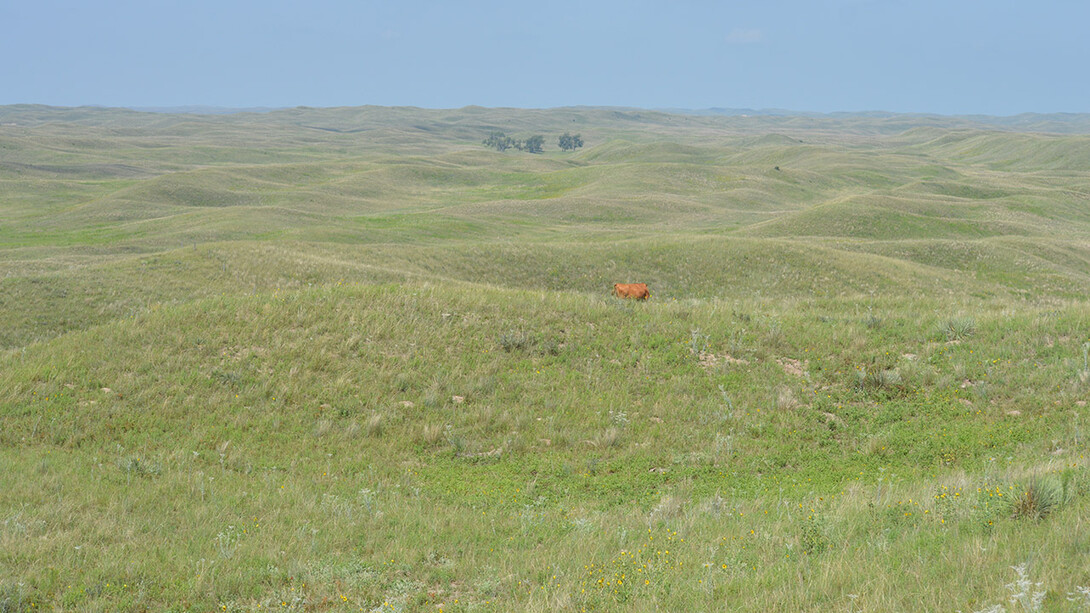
[[1039, 498], [957, 328]]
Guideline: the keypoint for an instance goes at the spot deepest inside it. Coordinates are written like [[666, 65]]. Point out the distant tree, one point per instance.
[[568, 142], [534, 144], [499, 141]]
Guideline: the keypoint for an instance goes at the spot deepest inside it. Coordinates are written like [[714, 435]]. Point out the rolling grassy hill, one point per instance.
[[349, 359]]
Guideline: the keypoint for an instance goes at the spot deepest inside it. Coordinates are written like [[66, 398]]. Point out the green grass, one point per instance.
[[347, 359]]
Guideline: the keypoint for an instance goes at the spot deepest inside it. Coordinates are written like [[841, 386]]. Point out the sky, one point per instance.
[[995, 57]]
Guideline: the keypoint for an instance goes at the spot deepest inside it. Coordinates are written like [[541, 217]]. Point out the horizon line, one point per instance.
[[213, 109]]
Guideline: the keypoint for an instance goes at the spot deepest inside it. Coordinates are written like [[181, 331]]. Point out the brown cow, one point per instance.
[[638, 291]]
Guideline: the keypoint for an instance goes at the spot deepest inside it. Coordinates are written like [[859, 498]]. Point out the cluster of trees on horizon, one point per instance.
[[534, 144]]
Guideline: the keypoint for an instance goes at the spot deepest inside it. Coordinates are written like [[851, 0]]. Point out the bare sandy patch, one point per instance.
[[794, 367]]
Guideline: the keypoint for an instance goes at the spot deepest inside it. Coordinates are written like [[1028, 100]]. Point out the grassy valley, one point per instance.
[[351, 359]]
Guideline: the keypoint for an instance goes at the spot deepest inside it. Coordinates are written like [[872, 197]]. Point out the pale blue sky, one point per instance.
[[989, 56]]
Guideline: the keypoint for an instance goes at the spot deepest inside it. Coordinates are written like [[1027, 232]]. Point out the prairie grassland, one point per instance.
[[347, 359]]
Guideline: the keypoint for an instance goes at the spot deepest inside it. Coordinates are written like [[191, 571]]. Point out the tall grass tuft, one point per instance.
[[610, 437], [668, 508], [785, 398], [431, 434], [374, 425], [1083, 374]]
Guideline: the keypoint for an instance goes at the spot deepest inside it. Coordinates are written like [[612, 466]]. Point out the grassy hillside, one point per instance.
[[349, 359]]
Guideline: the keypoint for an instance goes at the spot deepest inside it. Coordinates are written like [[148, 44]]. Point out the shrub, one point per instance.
[[134, 466], [812, 539], [14, 597], [872, 321], [699, 343], [515, 341]]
